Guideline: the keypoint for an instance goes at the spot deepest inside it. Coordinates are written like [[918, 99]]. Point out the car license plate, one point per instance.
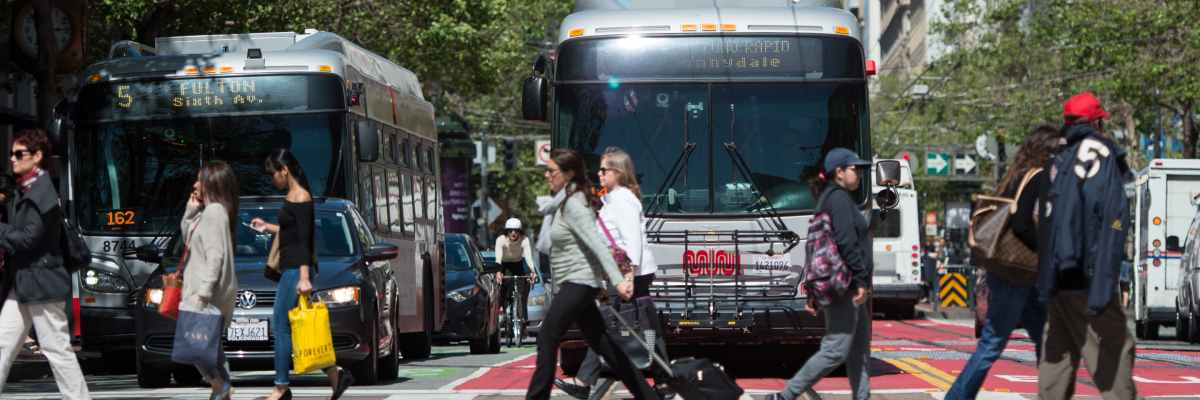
[[248, 329], [778, 262]]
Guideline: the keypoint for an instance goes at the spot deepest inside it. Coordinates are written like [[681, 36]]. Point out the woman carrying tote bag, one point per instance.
[[209, 278], [1011, 303]]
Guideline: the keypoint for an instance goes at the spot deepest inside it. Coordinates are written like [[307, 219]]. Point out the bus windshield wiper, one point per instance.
[[672, 176]]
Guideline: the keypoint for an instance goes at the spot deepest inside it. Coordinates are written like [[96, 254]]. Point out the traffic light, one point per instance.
[[510, 155]]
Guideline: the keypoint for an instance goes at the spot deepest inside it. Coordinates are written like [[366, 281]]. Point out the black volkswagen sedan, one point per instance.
[[356, 283], [473, 303]]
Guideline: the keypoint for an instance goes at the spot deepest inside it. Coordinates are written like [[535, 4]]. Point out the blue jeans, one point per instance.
[[1009, 304], [285, 300]]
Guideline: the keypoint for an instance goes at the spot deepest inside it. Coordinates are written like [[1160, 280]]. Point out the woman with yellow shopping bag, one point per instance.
[[297, 266]]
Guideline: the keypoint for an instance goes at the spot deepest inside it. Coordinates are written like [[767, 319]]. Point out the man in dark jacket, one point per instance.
[[1086, 217]]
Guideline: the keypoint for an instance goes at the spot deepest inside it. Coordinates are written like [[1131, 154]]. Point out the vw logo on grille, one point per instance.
[[247, 299]]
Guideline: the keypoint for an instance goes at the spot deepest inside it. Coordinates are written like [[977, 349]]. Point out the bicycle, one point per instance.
[[512, 326]]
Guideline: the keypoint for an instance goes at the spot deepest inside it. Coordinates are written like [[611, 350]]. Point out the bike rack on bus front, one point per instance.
[[741, 291]]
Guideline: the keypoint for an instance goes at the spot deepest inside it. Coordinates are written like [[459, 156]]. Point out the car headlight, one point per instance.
[[339, 297], [105, 282], [537, 300], [463, 294], [153, 297]]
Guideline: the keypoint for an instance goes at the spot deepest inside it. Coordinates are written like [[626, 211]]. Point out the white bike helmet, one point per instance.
[[512, 223]]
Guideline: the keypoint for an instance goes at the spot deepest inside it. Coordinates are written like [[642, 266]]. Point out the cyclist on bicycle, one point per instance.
[[511, 247]]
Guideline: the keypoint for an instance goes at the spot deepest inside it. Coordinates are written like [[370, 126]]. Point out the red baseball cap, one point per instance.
[[1085, 105]]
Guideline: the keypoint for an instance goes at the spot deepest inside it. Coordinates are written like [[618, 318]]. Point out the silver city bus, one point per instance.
[[148, 117], [727, 108]]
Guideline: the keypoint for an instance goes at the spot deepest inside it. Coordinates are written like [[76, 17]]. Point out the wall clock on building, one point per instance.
[[69, 35]]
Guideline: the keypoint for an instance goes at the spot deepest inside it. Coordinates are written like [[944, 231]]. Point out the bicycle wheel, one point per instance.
[[512, 322]]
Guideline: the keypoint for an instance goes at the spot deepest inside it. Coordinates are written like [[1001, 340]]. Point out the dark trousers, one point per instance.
[[590, 370], [576, 303]]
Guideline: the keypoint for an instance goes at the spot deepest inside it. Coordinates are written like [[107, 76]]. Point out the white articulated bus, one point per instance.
[[727, 109], [148, 117], [1163, 211]]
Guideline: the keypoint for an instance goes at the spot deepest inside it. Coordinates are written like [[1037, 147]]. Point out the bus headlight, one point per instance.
[[340, 297], [153, 297], [104, 282]]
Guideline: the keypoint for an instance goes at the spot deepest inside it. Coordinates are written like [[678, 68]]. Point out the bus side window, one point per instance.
[[407, 188], [418, 195], [384, 154], [394, 201], [381, 211], [429, 160], [431, 201], [406, 159], [395, 155], [366, 202]]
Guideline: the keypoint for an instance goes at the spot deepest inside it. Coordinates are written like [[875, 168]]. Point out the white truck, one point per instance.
[[1164, 208]]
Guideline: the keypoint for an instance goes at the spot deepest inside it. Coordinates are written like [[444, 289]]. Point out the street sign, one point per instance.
[[494, 211], [930, 230], [543, 151], [982, 145], [937, 164], [491, 152], [965, 164]]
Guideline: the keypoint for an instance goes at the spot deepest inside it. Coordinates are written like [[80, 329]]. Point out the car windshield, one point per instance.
[[458, 256], [144, 170], [780, 130], [332, 235]]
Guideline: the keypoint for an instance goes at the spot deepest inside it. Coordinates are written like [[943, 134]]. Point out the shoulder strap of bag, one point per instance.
[[1012, 209], [186, 247], [610, 239]]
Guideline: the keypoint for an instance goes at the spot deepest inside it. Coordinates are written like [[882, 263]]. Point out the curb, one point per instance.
[[946, 312]]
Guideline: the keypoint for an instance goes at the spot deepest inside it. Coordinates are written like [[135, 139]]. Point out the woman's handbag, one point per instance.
[[272, 272], [173, 283], [312, 344], [994, 246], [622, 258], [198, 336], [640, 311]]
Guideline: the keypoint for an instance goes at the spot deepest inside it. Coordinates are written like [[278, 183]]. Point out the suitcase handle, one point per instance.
[[662, 363]]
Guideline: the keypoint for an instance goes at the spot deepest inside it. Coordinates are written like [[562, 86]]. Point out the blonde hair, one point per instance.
[[623, 165]]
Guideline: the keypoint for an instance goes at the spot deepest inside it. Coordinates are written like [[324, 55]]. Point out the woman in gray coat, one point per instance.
[[209, 278], [41, 284]]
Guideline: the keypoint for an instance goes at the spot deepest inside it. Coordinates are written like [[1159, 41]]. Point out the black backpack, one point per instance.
[[75, 252]]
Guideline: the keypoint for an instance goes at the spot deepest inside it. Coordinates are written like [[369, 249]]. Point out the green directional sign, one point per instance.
[[937, 164]]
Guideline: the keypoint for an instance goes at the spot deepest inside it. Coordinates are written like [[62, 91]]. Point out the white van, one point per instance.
[[1164, 210], [897, 251]]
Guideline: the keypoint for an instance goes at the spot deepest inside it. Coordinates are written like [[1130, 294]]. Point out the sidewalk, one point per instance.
[[35, 366]]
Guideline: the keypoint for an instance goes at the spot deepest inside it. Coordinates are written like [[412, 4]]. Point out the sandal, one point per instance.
[[33, 347]]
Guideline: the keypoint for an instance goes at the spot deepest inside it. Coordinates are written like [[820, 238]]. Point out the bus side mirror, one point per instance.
[[1172, 243], [887, 173], [56, 126], [368, 141], [148, 253], [534, 98], [886, 199]]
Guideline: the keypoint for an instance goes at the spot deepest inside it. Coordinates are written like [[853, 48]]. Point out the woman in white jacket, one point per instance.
[[622, 215]]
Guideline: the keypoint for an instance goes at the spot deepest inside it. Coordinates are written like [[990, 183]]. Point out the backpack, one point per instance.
[[75, 253], [826, 276]]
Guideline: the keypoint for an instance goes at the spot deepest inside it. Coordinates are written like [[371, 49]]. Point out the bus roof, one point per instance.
[[282, 52], [760, 20]]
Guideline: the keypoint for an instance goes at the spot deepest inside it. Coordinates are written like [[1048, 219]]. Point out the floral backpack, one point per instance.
[[826, 276]]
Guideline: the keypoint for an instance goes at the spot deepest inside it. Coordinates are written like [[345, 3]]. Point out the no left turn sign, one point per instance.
[[543, 151]]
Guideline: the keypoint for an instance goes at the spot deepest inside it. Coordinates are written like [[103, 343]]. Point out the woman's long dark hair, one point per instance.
[[284, 158], [570, 160], [220, 185], [1037, 148]]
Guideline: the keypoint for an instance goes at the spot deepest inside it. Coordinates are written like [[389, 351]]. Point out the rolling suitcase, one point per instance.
[[694, 378]]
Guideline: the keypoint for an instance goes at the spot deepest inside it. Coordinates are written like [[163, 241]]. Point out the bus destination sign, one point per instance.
[[197, 96]]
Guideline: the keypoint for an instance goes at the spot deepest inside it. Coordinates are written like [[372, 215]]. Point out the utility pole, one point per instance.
[[1158, 138], [484, 201]]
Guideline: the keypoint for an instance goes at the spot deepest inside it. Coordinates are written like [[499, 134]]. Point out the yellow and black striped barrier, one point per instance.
[[954, 290]]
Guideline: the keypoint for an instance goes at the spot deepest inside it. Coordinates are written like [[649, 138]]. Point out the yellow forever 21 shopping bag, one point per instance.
[[312, 344]]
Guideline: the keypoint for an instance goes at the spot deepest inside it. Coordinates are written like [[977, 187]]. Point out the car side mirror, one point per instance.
[[887, 173], [1172, 243], [534, 98], [148, 253], [382, 251], [368, 141], [492, 267]]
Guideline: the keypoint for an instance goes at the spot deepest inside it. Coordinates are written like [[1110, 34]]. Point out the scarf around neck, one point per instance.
[[27, 181], [548, 209]]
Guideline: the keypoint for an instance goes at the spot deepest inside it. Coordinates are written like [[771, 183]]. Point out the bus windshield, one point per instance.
[[142, 171], [780, 130], [778, 103]]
